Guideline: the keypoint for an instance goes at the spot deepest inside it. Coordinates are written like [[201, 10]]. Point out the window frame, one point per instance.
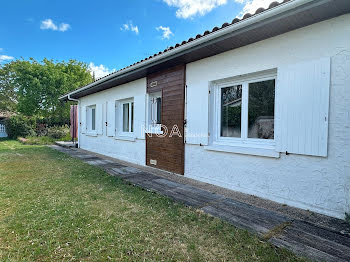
[[89, 129], [244, 140], [154, 127], [119, 121]]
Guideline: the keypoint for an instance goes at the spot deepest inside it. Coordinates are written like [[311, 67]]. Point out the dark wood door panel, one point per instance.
[[168, 152]]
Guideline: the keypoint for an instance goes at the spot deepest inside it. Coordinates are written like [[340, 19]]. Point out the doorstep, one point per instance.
[[305, 233]]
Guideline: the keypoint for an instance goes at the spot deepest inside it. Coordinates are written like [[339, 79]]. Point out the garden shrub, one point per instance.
[[41, 129], [58, 132], [19, 126]]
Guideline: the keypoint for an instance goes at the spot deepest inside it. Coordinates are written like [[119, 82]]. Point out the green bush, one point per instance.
[[58, 132], [66, 138], [19, 126], [41, 129]]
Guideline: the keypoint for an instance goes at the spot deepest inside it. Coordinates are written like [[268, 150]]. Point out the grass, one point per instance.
[[56, 208], [38, 140], [44, 140]]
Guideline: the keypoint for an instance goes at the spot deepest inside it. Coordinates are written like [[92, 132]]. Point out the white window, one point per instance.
[[125, 117], [244, 111], [155, 112], [91, 118]]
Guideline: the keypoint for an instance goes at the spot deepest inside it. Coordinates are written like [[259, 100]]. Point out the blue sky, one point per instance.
[[109, 34]]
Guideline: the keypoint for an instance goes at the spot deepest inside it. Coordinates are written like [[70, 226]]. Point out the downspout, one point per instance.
[[76, 100]]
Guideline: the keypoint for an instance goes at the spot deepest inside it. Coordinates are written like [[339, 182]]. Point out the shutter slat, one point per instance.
[[302, 107]]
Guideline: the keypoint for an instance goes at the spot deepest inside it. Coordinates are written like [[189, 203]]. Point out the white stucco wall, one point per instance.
[[314, 183], [131, 151]]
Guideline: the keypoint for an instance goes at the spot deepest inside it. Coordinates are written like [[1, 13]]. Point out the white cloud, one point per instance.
[[63, 27], [166, 31], [5, 57], [190, 8], [48, 24], [99, 70], [130, 27]]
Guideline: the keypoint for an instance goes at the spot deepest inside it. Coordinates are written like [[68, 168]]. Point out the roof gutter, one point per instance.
[[72, 99], [221, 32]]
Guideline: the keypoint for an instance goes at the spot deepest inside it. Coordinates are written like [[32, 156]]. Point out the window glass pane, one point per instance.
[[126, 117], [88, 118], [159, 110], [132, 116], [93, 119], [152, 110], [231, 107], [261, 109]]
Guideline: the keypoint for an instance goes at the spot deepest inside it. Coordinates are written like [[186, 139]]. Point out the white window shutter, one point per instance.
[[212, 110], [139, 115], [99, 119], [302, 105], [111, 118], [83, 119]]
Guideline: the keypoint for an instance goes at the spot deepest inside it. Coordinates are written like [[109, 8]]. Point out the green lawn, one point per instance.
[[56, 208]]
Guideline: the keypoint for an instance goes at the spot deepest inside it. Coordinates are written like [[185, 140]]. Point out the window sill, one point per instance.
[[126, 138], [91, 134], [267, 152]]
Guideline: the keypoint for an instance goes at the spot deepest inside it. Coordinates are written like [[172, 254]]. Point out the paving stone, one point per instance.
[[193, 196], [254, 219], [160, 185], [108, 161], [120, 171], [112, 171], [125, 170], [85, 157], [82, 156], [139, 178], [94, 162], [314, 241]]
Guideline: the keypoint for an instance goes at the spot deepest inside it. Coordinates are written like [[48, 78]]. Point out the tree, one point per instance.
[[8, 90], [38, 86]]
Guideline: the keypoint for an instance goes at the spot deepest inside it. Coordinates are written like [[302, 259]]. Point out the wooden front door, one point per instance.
[[168, 152]]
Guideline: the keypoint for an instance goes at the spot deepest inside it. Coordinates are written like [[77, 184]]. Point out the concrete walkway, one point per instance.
[[306, 233]]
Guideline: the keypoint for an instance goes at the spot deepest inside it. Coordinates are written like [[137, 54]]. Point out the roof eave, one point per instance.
[[288, 8]]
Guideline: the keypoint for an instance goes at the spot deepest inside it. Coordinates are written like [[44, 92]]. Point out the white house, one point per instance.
[[260, 105]]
